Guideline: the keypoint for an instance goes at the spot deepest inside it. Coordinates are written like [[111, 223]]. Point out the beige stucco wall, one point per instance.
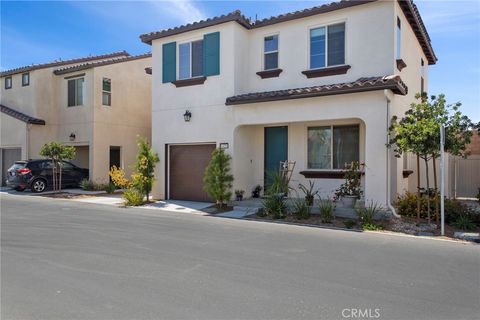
[[96, 127], [368, 52], [128, 116]]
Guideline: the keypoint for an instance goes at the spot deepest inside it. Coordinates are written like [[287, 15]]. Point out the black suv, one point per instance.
[[38, 175]]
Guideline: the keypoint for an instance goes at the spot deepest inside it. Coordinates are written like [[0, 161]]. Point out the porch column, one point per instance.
[[375, 159]]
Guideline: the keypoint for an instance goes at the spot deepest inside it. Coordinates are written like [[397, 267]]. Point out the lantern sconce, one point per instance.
[[187, 116], [72, 136]]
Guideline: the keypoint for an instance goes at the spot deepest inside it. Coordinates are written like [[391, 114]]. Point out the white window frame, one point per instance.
[[28, 77], [108, 92], [189, 58], [10, 82], [83, 91], [331, 126], [326, 25], [264, 52]]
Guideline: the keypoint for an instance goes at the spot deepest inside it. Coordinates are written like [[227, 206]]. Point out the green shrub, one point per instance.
[[308, 192], [406, 205], [350, 223], [92, 186], [371, 226], [217, 178], [464, 222], [326, 210], [87, 185], [132, 197], [275, 206], [366, 214], [110, 187], [301, 208]]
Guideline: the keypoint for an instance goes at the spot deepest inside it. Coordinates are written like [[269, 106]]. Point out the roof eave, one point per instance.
[[396, 88]]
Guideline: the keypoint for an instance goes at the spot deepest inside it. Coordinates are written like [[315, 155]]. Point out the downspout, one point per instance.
[[389, 203], [27, 141]]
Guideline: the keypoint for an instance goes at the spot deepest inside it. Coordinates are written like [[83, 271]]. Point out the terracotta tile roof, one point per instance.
[[393, 83], [408, 7], [20, 115], [232, 16], [63, 62], [89, 65]]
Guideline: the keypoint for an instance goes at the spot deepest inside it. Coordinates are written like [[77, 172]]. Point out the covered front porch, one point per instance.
[[319, 149]]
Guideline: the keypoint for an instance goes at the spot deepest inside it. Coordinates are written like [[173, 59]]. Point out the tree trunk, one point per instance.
[[60, 177], [428, 190], [54, 175], [436, 188], [418, 187]]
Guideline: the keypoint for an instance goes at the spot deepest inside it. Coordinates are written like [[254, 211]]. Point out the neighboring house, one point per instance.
[[317, 86], [99, 104]]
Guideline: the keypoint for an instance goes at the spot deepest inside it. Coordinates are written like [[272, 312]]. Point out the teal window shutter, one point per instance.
[[211, 54], [169, 63]]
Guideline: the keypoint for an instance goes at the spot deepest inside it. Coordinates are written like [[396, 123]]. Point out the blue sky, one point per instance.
[[39, 31]]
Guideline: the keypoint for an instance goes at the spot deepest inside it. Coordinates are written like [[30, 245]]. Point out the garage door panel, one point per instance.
[[187, 165]]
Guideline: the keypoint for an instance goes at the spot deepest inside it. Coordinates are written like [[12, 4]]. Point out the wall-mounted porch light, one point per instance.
[[72, 136], [187, 116]]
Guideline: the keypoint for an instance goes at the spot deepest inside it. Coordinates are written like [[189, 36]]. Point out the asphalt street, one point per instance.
[[62, 259]]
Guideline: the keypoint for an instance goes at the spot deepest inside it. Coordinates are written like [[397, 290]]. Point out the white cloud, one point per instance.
[[183, 11], [448, 17]]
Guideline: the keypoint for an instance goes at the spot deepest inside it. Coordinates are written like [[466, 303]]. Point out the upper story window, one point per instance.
[[106, 92], [75, 92], [327, 46], [399, 39], [8, 82], [190, 57], [270, 52], [25, 79], [422, 76], [198, 59], [332, 147]]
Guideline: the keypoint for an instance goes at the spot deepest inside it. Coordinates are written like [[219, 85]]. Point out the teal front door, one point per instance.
[[276, 150]]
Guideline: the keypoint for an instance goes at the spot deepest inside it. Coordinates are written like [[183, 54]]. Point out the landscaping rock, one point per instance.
[[469, 236], [400, 225]]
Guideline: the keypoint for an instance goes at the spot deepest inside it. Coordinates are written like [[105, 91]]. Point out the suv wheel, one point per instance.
[[39, 185]]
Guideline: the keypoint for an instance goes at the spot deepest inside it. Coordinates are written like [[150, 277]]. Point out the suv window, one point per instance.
[[67, 165]]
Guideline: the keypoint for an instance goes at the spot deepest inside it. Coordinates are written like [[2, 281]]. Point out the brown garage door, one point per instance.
[[187, 167]]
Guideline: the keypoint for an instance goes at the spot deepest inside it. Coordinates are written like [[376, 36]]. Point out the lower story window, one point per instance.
[[331, 147]]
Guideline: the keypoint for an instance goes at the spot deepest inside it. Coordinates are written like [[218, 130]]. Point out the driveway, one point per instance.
[[68, 260]]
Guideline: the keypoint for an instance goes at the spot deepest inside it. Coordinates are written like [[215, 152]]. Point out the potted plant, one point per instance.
[[239, 194], [256, 191], [309, 193], [350, 190]]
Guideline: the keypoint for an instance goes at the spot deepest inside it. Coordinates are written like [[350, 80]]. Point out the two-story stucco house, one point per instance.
[[317, 86], [99, 104]]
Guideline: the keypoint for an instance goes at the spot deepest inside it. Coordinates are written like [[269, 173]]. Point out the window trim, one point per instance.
[[11, 82], [83, 90], [28, 82], [189, 59], [264, 52], [331, 127], [108, 92], [326, 25]]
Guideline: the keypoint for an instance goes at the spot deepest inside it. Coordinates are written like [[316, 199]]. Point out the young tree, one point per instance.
[[418, 132], [147, 160], [217, 179], [57, 152]]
